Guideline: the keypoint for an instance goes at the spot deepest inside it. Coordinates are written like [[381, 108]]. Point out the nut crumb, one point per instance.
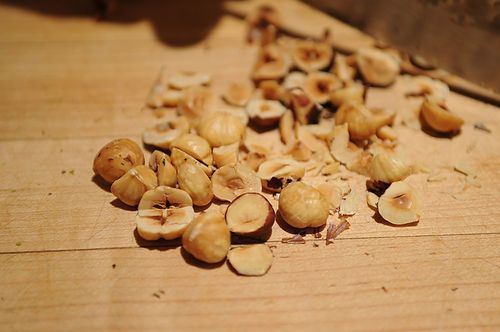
[[18, 244], [454, 289], [113, 266], [482, 127], [315, 245], [384, 289], [333, 231]]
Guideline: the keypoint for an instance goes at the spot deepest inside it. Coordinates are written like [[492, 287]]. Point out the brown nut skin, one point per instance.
[[133, 184], [250, 214], [207, 237], [303, 206], [116, 158], [440, 119]]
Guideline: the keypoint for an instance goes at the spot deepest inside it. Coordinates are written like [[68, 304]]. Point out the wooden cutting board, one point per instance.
[[69, 259]]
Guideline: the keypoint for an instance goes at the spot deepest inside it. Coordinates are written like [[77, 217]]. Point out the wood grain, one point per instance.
[[69, 85]]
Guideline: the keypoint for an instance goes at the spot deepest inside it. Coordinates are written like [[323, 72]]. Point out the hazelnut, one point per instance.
[[265, 112], [319, 86], [343, 70], [231, 181], [250, 214], [251, 260], [165, 171], [207, 237], [116, 158], [303, 107], [254, 159], [238, 93], [162, 134], [132, 185], [303, 206], [164, 212], [387, 133], [272, 63], [332, 193], [271, 90], [195, 146], [426, 86], [300, 152], [197, 102], [439, 118], [311, 56], [341, 148], [388, 169], [276, 174], [226, 154], [171, 98], [377, 67], [156, 95], [286, 128], [350, 93], [221, 129], [359, 118], [239, 112], [178, 156], [193, 180], [399, 204], [183, 80], [295, 79]]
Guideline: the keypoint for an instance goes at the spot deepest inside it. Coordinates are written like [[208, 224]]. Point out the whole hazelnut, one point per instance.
[[221, 129], [116, 158]]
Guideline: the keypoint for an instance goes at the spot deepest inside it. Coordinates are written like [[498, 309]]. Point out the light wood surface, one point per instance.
[[69, 259]]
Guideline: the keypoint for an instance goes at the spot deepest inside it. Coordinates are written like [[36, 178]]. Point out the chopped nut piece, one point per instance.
[[439, 118], [165, 171], [300, 152], [343, 70], [303, 107], [261, 22], [277, 173], [265, 112], [295, 79], [330, 168], [310, 55], [332, 193], [386, 132], [353, 92], [221, 129], [388, 169], [251, 260], [319, 85], [178, 156], [171, 98], [399, 204], [162, 134], [287, 132], [207, 237], [116, 158], [371, 200], [130, 187], [271, 90], [377, 67], [303, 206], [226, 154], [348, 205], [185, 80], [359, 118], [340, 147], [197, 102], [231, 181], [250, 214], [427, 86], [333, 231], [254, 159], [238, 93], [272, 63], [193, 180], [194, 145]]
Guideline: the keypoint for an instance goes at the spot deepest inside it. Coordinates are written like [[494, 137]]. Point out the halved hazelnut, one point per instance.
[[178, 156], [164, 212], [439, 118], [310, 55], [193, 180], [261, 22], [360, 120], [221, 129], [207, 237], [116, 158], [194, 145], [399, 204], [132, 185], [295, 79], [231, 181], [277, 173], [426, 86], [162, 134], [377, 67], [343, 70], [165, 171], [183, 80], [272, 63], [250, 214], [238, 93], [265, 112], [251, 260], [319, 85], [226, 154], [286, 128], [303, 206], [196, 102], [303, 107], [271, 90], [353, 92], [388, 169]]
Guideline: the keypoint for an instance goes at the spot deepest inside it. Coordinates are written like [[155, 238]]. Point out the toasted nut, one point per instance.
[[439, 118], [178, 156], [261, 22], [184, 80], [171, 98], [231, 181], [272, 63], [254, 159], [193, 180], [276, 174], [195, 146], [388, 133], [348, 205], [351, 93], [343, 70], [310, 56], [303, 206], [133, 184], [330, 168], [116, 158], [221, 129], [377, 67], [360, 120], [295, 79], [207, 237], [238, 93], [362, 164], [165, 171], [271, 90], [399, 204], [238, 112], [372, 200], [309, 140], [162, 134], [332, 193], [164, 212], [319, 85], [340, 147], [381, 117], [251, 260], [155, 97], [388, 169], [303, 107], [426, 86], [226, 154], [197, 102], [265, 112], [287, 132], [300, 152], [321, 131], [250, 214]]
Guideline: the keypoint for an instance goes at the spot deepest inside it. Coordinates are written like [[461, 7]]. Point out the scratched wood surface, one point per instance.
[[69, 259]]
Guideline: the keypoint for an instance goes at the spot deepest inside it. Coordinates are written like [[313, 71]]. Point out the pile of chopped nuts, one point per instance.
[[294, 132]]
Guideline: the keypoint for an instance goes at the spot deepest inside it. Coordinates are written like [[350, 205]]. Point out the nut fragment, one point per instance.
[[277, 173], [156, 95], [310, 55], [350, 93], [250, 214], [272, 63], [226, 154], [231, 181], [340, 147], [178, 156], [439, 118], [303, 206], [303, 107], [319, 85], [360, 120], [238, 93], [372, 200], [300, 152], [164, 212], [171, 98], [343, 70], [116, 158], [196, 102], [207, 237], [271, 90], [426, 86], [399, 204], [332, 193], [195, 146], [251, 260], [388, 133], [184, 80], [377, 67], [388, 169], [162, 134], [165, 171], [286, 130], [221, 129], [132, 185], [265, 112], [295, 79], [193, 180]]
